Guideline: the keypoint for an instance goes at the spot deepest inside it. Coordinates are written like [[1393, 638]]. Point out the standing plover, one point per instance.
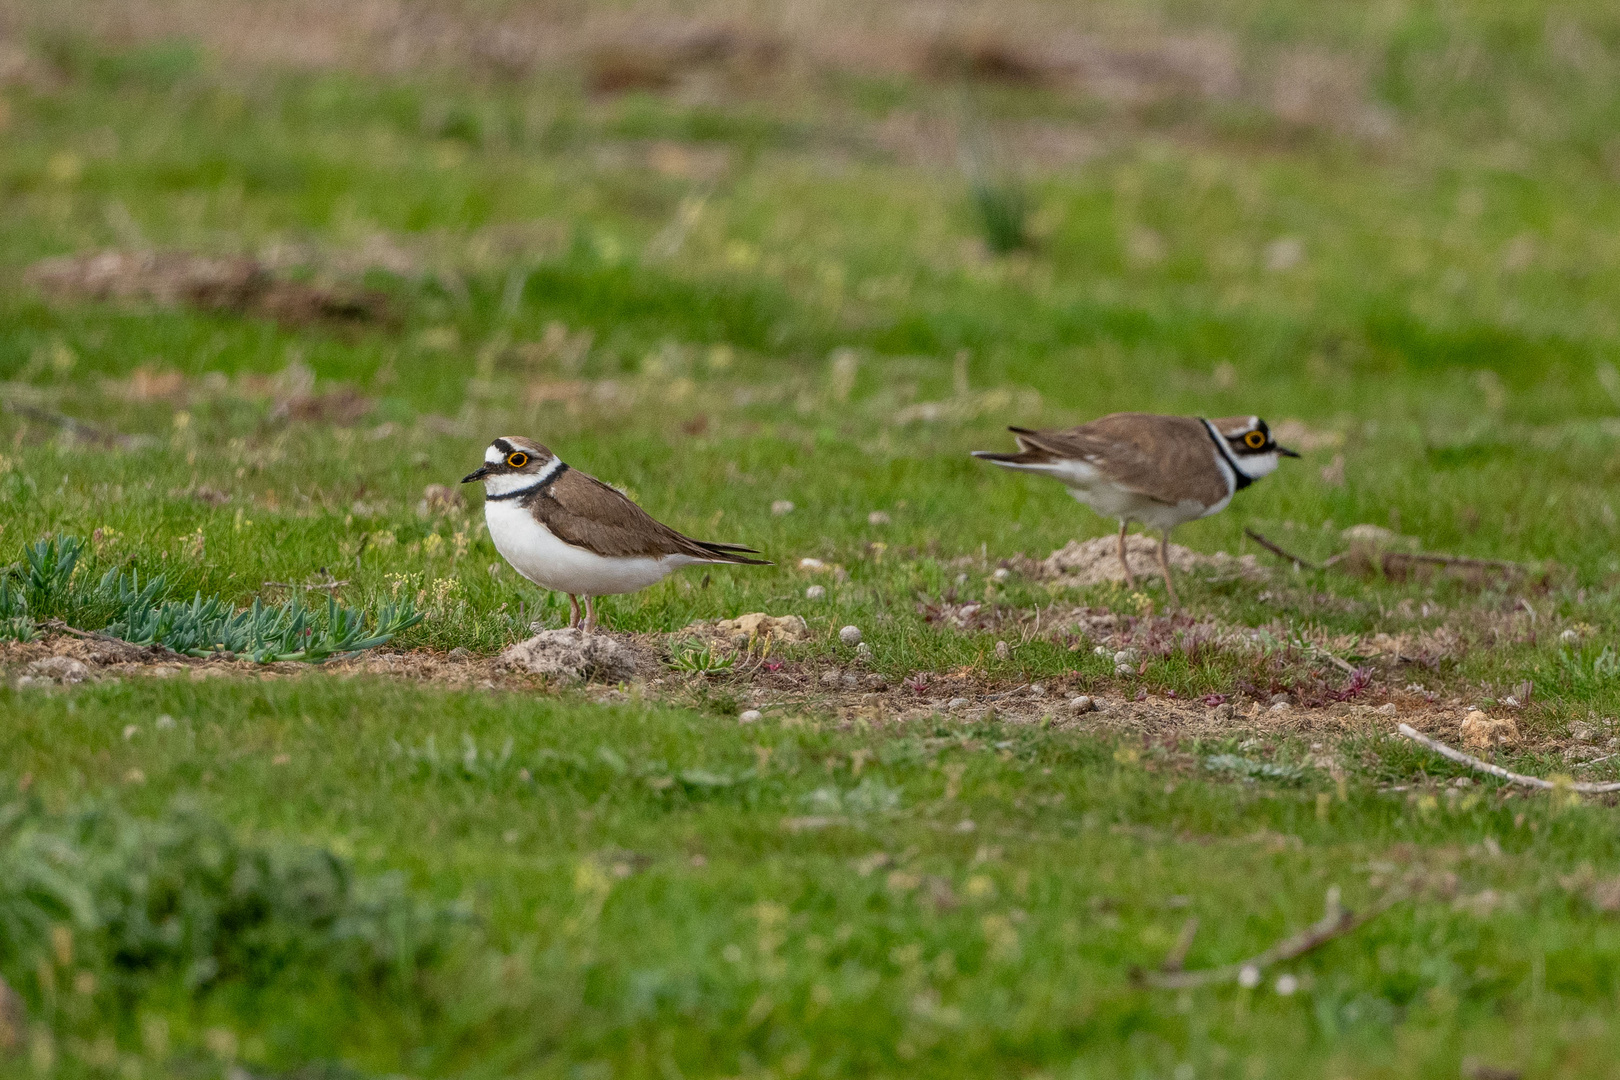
[[1156, 470], [566, 530]]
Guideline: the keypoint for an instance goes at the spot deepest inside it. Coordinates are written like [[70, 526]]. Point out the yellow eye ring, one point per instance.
[[517, 459], [1254, 440]]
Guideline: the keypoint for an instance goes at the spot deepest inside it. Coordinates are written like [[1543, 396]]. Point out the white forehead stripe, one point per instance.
[[493, 455]]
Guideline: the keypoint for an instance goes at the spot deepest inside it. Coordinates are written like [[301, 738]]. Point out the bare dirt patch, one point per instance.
[[234, 283], [853, 694]]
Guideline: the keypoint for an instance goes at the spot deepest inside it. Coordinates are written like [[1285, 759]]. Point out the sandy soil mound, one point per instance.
[[1092, 562], [572, 655]]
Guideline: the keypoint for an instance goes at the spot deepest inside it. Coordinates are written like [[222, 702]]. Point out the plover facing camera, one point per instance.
[[566, 530], [1159, 471]]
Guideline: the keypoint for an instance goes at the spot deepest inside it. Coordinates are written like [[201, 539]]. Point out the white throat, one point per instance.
[[1254, 466], [507, 483]]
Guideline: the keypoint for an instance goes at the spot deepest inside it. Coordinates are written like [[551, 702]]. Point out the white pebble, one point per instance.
[[816, 592], [781, 506], [877, 517], [1125, 656], [165, 722], [1101, 650], [1001, 574], [815, 566], [1124, 669], [957, 703], [1003, 650], [864, 651], [1249, 977], [1286, 985], [1037, 690], [1081, 704], [1569, 636], [750, 716], [850, 635], [130, 730]]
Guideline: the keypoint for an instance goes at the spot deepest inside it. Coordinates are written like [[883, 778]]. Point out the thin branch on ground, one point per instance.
[[1278, 551], [1336, 922], [1176, 958], [1500, 773], [76, 428], [95, 635]]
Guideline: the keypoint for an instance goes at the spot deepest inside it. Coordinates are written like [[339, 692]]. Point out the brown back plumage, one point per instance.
[[581, 510], [1170, 459]]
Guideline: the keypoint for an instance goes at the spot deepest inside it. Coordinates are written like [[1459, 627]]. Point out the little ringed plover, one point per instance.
[[566, 530], [1156, 470]]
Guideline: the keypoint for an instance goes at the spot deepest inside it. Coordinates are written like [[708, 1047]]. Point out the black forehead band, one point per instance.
[[503, 446]]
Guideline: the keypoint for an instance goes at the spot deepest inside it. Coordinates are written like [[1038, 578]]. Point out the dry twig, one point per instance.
[[1336, 922], [1500, 773], [1278, 551]]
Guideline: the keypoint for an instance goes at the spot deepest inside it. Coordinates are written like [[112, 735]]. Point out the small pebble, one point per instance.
[[863, 651], [1037, 690], [1101, 650], [1081, 704], [1249, 977], [1388, 708], [781, 506], [460, 653], [1001, 574], [965, 825], [850, 635], [813, 565], [816, 592], [1281, 699], [129, 731], [1224, 712], [1462, 781], [1281, 706], [877, 517], [1286, 985], [1003, 650], [750, 716], [164, 722], [956, 703], [1124, 669], [1125, 656]]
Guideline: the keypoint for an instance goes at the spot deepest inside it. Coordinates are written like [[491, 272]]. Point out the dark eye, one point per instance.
[[517, 460], [1254, 440]]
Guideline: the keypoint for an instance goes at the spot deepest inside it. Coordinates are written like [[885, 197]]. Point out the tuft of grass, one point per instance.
[[1002, 209]]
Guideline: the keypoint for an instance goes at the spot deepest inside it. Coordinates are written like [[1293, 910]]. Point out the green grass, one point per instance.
[[636, 902], [723, 304]]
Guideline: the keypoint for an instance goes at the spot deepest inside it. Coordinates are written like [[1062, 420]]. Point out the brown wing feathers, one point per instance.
[[581, 510], [1167, 458]]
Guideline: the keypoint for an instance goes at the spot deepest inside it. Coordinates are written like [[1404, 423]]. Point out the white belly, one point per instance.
[[538, 555], [1122, 505]]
